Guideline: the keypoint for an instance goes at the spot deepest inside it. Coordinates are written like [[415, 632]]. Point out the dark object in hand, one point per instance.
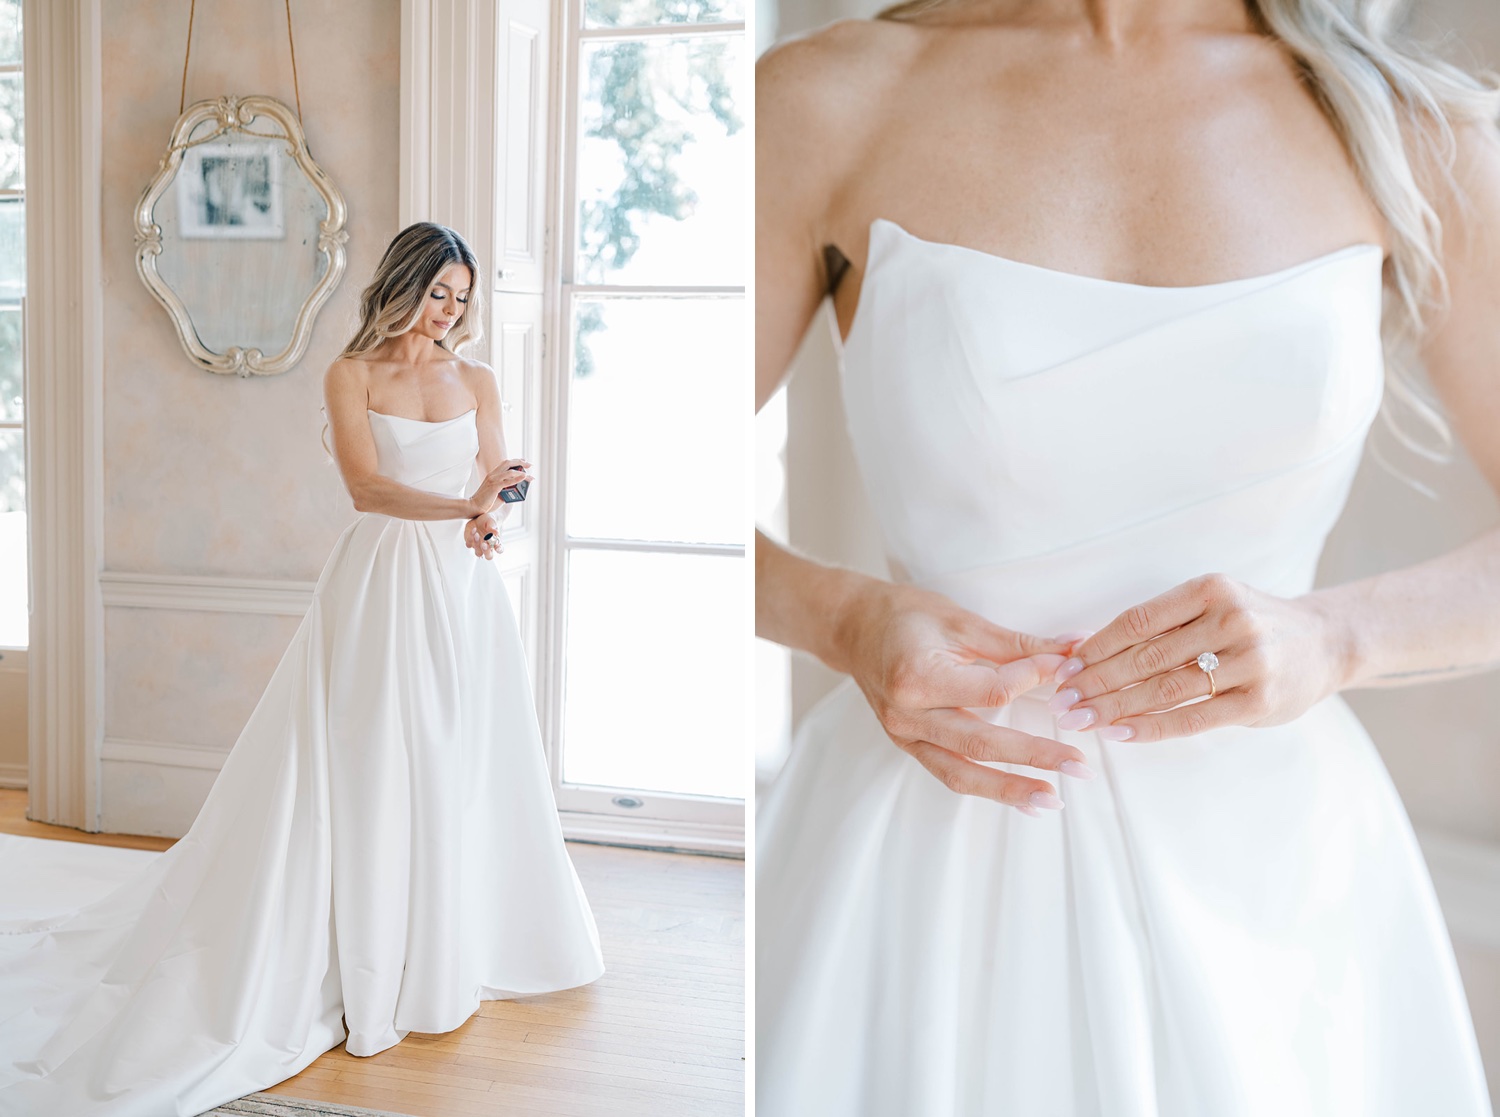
[[516, 492]]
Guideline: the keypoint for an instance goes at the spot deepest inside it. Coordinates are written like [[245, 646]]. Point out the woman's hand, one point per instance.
[[921, 660], [1277, 657], [474, 536], [510, 472]]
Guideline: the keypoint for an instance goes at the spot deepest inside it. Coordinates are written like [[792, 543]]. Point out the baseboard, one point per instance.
[[676, 835], [642, 833], [13, 775]]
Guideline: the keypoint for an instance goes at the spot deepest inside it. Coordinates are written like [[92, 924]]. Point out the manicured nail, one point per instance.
[[1072, 637], [1063, 699], [1080, 717], [1116, 732], [1046, 799], [1077, 769], [1069, 668], [1032, 811]]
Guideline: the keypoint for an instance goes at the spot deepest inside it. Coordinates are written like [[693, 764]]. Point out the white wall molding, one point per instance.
[[169, 754], [448, 122], [64, 408], [201, 594], [13, 775]]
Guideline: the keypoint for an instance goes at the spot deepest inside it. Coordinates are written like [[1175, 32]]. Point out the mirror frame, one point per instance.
[[235, 114]]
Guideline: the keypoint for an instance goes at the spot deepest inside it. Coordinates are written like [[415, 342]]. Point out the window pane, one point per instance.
[[12, 249], [12, 133], [10, 30], [657, 653], [655, 414], [645, 13], [663, 163], [11, 406], [13, 578]]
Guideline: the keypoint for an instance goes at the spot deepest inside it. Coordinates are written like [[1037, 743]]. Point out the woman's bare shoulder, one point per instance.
[[347, 374], [837, 66], [482, 380], [821, 101]]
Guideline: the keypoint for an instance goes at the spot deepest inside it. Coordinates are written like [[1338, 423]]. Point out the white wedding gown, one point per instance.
[[381, 843], [1235, 924]]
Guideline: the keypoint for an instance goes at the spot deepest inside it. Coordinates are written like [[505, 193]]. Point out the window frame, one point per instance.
[[17, 306], [668, 819]]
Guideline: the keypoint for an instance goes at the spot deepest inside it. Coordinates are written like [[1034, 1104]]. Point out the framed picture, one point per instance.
[[232, 191]]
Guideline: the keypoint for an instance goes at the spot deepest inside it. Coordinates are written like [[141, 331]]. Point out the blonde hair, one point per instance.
[[397, 294], [1394, 105]]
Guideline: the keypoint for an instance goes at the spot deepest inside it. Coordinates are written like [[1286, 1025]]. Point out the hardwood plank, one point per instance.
[[661, 1034]]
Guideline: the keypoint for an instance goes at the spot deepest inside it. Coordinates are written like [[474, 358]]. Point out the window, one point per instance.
[[650, 635], [13, 569]]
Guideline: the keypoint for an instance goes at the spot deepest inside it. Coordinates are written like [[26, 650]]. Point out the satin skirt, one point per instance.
[[1236, 924], [380, 847]]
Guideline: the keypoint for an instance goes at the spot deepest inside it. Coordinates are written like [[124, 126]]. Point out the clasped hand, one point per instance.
[[923, 663], [1277, 657]]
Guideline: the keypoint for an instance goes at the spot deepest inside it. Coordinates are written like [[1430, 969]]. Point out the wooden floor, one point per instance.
[[661, 1034]]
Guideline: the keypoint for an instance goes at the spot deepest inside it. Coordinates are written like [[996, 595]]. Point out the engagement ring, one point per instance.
[[1206, 663]]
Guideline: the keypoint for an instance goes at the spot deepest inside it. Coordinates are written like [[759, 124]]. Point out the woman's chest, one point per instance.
[[1165, 179]]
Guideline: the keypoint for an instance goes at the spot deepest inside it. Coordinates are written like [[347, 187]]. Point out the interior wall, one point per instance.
[[209, 476]]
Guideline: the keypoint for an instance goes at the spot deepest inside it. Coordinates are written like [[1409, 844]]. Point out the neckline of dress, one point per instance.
[[425, 422], [1327, 257], [1266, 280]]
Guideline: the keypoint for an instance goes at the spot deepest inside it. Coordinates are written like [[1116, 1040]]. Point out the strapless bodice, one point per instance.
[[1049, 448], [437, 457]]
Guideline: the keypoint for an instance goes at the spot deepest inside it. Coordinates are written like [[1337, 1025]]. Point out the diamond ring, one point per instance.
[[1206, 663]]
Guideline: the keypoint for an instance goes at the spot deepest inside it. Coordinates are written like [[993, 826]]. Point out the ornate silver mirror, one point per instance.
[[240, 235]]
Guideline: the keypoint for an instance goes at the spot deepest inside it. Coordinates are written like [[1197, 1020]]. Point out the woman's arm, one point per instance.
[[346, 397], [1441, 618], [486, 387], [921, 661], [797, 600]]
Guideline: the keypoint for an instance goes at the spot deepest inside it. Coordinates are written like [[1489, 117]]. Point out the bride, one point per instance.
[[1120, 286], [380, 851]]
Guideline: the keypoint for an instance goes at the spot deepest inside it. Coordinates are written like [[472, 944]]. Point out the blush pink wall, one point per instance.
[[218, 475]]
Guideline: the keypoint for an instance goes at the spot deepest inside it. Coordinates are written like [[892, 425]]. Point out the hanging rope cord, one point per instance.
[[291, 43]]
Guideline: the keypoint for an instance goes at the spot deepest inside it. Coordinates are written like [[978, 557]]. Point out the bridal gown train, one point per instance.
[[381, 843], [1234, 924]]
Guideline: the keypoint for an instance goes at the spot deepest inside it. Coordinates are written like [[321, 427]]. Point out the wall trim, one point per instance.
[[64, 376], [676, 836], [13, 775], [167, 754], [579, 826], [448, 120], [206, 594]]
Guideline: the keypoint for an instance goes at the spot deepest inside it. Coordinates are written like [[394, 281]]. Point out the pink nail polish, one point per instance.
[[1063, 699], [1032, 811], [1116, 732], [1046, 799], [1069, 668], [1080, 717], [1077, 769]]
